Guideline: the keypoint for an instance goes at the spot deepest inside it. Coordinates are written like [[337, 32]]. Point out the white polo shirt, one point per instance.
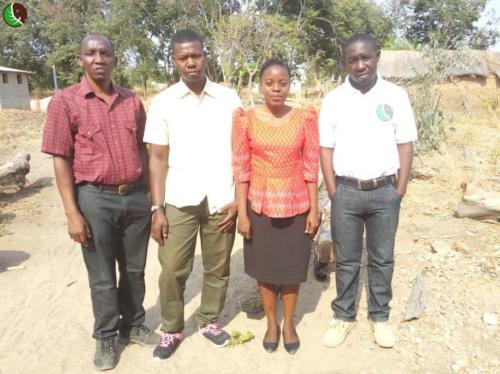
[[365, 129], [198, 133]]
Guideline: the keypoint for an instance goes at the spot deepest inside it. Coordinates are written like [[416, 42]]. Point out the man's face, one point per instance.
[[361, 59], [189, 60], [97, 59]]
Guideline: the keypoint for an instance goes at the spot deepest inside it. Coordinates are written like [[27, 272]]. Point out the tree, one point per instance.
[[448, 24], [242, 41], [326, 24]]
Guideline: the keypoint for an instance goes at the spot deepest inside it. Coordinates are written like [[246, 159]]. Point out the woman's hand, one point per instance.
[[244, 226], [312, 224]]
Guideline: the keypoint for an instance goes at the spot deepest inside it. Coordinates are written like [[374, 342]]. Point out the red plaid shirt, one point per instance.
[[103, 140]]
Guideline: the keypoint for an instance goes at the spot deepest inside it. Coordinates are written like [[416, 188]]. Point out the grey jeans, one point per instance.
[[120, 226], [353, 211]]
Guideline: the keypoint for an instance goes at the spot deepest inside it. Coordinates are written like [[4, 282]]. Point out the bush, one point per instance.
[[426, 96]]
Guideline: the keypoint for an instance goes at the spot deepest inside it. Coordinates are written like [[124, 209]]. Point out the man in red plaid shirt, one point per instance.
[[94, 132]]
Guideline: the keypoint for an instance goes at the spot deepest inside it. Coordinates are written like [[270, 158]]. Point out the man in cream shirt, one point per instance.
[[367, 130], [189, 129]]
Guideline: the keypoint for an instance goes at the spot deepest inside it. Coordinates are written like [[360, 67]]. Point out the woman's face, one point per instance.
[[274, 85]]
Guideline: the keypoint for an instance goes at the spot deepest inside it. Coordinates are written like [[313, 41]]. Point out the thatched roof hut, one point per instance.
[[407, 65]]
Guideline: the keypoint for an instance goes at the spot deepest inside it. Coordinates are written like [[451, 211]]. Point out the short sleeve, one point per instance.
[[240, 147], [57, 133], [327, 123], [156, 131], [406, 128], [235, 101], [310, 150]]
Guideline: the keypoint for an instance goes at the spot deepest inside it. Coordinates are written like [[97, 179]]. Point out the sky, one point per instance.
[[493, 5]]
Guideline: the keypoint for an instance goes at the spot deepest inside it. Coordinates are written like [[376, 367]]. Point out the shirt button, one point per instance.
[[116, 143]]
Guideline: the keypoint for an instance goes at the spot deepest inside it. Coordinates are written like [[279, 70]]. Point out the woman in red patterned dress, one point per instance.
[[275, 164]]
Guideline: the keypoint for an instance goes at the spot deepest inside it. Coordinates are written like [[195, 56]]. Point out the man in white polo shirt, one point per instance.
[[367, 130], [189, 129]]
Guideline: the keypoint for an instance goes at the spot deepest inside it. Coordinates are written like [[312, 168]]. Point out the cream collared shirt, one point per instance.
[[197, 130], [365, 129]]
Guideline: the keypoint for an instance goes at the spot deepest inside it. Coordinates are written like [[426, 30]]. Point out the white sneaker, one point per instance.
[[383, 335], [337, 332]]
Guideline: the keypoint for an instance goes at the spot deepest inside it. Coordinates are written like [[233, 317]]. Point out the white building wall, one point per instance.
[[13, 94]]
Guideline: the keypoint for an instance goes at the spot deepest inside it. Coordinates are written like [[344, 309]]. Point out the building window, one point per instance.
[[5, 78], [19, 79]]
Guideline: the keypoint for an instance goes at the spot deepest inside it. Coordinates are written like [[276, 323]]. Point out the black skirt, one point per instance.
[[279, 250]]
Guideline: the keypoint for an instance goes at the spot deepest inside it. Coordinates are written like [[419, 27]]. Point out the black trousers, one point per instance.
[[120, 226]]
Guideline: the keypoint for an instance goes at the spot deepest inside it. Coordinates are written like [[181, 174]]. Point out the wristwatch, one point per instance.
[[154, 208]]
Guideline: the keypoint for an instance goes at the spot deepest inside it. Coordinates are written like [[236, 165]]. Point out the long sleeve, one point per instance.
[[240, 147], [310, 150]]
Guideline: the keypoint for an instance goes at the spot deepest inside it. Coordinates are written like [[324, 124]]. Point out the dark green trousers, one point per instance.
[[177, 256]]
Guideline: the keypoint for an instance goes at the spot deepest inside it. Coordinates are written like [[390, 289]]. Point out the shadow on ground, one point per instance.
[[12, 258]]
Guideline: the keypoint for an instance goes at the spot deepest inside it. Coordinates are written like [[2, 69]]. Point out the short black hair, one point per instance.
[[96, 36], [185, 36], [274, 62], [361, 37]]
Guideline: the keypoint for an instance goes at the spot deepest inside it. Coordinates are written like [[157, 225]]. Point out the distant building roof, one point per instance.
[[410, 64], [10, 70]]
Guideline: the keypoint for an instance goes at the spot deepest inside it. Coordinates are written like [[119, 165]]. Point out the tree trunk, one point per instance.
[[144, 81], [249, 87], [13, 173], [478, 204]]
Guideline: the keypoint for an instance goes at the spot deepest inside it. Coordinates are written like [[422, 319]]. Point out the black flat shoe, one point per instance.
[[291, 348], [270, 347]]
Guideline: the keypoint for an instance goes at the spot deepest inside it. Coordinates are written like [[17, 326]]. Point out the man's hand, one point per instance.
[[332, 192], [228, 221], [79, 229], [401, 191], [244, 227], [159, 226], [312, 224]]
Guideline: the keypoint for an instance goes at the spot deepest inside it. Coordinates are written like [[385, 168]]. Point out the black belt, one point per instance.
[[367, 184], [122, 189]]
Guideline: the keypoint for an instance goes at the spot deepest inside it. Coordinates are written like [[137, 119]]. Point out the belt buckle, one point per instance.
[[374, 182], [123, 189], [360, 185]]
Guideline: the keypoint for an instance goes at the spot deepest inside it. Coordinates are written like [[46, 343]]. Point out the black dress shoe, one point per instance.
[[291, 348], [270, 347]]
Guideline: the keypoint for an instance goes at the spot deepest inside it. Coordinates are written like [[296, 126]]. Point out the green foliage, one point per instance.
[[448, 24], [326, 24], [238, 338], [429, 116], [238, 35], [426, 96], [242, 41]]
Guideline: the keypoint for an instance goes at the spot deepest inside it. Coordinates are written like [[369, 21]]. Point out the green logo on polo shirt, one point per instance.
[[15, 14], [385, 112]]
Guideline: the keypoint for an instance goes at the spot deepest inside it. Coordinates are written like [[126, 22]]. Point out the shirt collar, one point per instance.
[[86, 90], [351, 90], [209, 89]]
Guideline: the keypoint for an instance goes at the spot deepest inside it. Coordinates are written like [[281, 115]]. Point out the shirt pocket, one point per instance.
[[89, 140], [130, 133]]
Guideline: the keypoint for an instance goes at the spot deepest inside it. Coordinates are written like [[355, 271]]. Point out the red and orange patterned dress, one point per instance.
[[277, 161]]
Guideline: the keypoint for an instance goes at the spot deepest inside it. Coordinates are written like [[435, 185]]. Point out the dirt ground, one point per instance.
[[46, 317]]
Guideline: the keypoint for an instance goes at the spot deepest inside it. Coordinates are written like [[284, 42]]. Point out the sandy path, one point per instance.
[[46, 318]]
